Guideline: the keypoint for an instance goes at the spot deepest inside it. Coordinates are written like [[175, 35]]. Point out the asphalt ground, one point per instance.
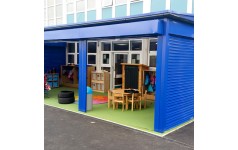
[[64, 130]]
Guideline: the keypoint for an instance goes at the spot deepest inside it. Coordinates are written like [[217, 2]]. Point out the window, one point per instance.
[[153, 45], [70, 59], [136, 8], [106, 46], [105, 58], [179, 6], [92, 47], [136, 45], [135, 58], [107, 3], [121, 46], [80, 6], [91, 4], [59, 11], [50, 12], [71, 48], [91, 59], [70, 7], [58, 2], [120, 2], [152, 61], [72, 53], [59, 21], [152, 52], [50, 2], [92, 53]]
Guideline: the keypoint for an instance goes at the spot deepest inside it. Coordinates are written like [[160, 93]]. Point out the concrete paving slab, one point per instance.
[[66, 130]]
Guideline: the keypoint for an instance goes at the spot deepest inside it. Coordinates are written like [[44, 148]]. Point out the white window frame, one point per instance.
[[75, 53], [110, 58]]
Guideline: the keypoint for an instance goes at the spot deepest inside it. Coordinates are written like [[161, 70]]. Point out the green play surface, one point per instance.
[[142, 120]]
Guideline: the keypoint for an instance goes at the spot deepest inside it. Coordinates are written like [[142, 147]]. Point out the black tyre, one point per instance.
[[66, 94], [67, 100]]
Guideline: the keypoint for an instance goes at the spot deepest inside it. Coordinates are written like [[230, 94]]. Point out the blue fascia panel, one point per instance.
[[153, 27], [82, 102], [181, 29]]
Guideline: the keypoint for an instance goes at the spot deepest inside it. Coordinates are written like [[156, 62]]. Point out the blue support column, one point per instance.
[[82, 90], [161, 74]]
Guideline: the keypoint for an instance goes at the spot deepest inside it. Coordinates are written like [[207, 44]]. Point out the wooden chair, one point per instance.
[[118, 97], [109, 98], [135, 99]]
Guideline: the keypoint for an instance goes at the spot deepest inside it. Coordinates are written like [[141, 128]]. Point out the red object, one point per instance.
[[46, 85]]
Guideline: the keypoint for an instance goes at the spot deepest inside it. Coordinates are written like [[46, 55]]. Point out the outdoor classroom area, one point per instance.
[[142, 77]]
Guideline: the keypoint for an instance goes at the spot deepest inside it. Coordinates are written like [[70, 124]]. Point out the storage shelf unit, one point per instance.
[[89, 70], [53, 79], [100, 81]]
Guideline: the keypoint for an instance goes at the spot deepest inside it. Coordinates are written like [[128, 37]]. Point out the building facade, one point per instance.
[[58, 12]]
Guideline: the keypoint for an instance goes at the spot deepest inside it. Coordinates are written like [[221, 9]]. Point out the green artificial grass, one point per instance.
[[142, 120]]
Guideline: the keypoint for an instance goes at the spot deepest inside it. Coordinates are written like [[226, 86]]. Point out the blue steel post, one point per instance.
[[82, 102], [159, 113]]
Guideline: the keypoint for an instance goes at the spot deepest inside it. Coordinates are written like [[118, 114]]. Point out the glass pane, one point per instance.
[[71, 47], [91, 59], [69, 1], [135, 58], [50, 2], [59, 21], [92, 47], [50, 12], [46, 23], [71, 59], [70, 18], [153, 45], [59, 11], [118, 2], [51, 22], [70, 7], [105, 58], [91, 4], [152, 61], [136, 45], [80, 5], [106, 46], [120, 58], [58, 1], [106, 3], [121, 46]]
